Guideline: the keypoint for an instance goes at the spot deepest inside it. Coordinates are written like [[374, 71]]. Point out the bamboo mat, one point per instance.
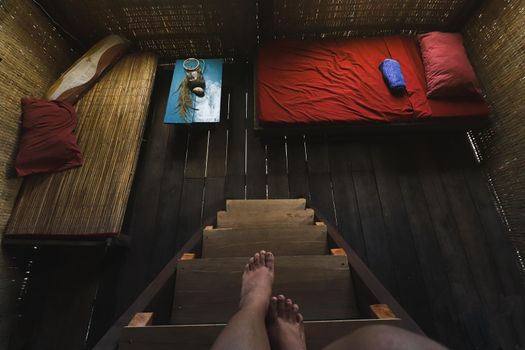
[[32, 56], [91, 200]]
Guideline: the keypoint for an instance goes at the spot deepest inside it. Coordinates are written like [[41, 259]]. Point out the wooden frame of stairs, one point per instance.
[[132, 333]]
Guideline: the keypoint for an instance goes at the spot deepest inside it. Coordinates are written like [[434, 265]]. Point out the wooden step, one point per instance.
[[207, 290], [273, 218], [263, 205], [201, 337], [285, 240]]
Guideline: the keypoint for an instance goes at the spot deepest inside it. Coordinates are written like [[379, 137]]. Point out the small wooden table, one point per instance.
[[206, 109]]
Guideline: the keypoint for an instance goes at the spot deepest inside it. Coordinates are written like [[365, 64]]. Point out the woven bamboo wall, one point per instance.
[[172, 29], [495, 39], [32, 56], [343, 18]]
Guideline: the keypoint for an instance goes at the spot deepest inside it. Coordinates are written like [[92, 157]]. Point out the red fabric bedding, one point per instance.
[[48, 142], [339, 81]]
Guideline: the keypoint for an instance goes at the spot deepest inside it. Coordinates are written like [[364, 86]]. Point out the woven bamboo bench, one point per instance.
[[90, 202]]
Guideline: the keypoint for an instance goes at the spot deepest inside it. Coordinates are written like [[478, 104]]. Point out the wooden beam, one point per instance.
[[345, 129], [367, 277], [337, 251], [236, 242], [266, 30], [141, 319], [381, 311], [265, 205], [200, 337], [226, 219], [363, 28], [56, 242], [110, 340]]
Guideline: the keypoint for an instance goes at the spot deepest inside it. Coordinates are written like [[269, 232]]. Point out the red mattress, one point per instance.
[[340, 81]]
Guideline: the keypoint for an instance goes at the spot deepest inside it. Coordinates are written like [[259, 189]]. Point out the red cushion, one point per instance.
[[447, 68], [48, 143]]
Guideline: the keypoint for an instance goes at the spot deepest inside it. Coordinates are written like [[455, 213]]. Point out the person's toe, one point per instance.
[[251, 263], [281, 307], [272, 311], [299, 317], [257, 260], [270, 260], [288, 309], [247, 267], [262, 253], [262, 258]]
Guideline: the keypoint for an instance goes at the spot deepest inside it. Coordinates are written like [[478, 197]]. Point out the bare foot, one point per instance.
[[285, 325], [257, 281]]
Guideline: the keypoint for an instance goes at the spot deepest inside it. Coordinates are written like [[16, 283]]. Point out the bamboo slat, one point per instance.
[[32, 55], [91, 200], [495, 40]]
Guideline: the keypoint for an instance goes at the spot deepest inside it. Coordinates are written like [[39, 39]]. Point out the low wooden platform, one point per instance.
[[91, 201]]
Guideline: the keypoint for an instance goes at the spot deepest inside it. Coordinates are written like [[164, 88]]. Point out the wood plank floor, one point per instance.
[[415, 207]]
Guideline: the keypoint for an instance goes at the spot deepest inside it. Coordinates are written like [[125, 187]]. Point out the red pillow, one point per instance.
[[447, 68], [47, 143]]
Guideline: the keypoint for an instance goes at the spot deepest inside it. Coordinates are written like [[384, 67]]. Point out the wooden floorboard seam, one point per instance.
[[475, 316]]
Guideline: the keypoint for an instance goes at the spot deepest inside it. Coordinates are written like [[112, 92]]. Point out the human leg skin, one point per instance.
[[247, 328]]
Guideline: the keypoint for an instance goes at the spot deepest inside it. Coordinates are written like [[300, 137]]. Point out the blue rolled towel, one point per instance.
[[393, 76]]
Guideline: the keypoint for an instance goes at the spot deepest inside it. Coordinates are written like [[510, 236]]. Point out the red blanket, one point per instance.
[[340, 81]]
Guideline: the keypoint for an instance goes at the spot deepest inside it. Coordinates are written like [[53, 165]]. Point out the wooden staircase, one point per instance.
[[207, 288]]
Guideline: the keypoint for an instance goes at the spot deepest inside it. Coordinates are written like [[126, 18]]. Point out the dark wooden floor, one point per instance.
[[416, 208]]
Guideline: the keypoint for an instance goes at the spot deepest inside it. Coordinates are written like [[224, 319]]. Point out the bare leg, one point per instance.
[[383, 337], [247, 329], [285, 325]]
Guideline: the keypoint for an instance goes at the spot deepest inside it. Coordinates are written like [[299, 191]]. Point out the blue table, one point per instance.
[[207, 109]]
